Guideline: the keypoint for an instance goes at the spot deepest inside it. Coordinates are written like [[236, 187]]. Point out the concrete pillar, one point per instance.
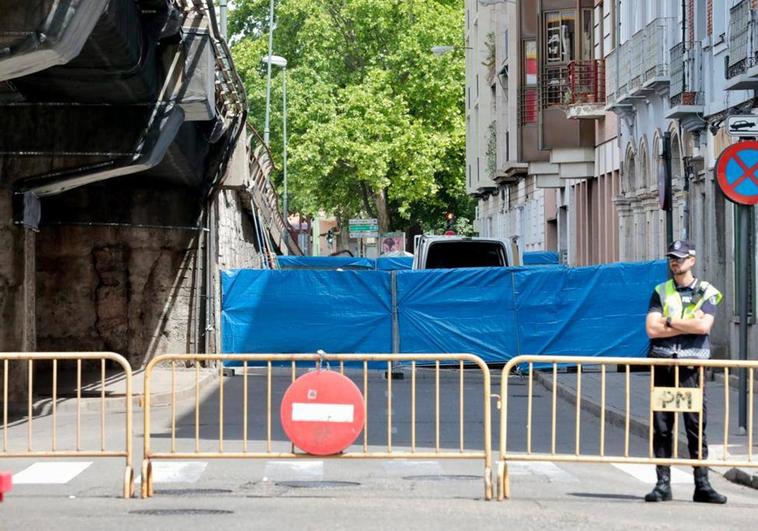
[[17, 294]]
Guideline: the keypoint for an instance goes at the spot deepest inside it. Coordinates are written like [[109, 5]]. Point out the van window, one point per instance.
[[452, 254]]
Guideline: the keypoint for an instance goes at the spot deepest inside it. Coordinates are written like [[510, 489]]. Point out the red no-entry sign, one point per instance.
[[322, 412], [737, 172]]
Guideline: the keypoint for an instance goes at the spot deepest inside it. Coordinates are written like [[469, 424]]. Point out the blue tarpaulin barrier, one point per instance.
[[495, 313], [325, 262], [394, 263], [541, 258]]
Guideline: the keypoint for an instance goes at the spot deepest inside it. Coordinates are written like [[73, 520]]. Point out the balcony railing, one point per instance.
[[740, 26], [640, 63], [656, 50], [586, 80], [554, 86], [528, 105], [686, 82]]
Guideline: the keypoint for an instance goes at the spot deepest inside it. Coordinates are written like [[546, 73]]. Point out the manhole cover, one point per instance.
[[192, 492], [316, 484], [180, 512], [442, 477]]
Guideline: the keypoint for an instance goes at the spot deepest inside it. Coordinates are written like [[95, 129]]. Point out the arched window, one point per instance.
[[629, 179]]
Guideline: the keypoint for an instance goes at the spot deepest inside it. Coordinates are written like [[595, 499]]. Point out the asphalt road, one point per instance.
[[350, 494]]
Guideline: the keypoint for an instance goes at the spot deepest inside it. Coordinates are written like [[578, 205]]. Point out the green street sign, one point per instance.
[[363, 228]]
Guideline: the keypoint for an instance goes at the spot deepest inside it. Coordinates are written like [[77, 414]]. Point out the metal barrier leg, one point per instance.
[[143, 486], [128, 482], [150, 491], [488, 483], [504, 486]]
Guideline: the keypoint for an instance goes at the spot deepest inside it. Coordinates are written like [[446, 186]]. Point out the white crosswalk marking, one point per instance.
[[552, 472], [283, 470], [176, 471], [404, 467], [50, 473], [646, 473]]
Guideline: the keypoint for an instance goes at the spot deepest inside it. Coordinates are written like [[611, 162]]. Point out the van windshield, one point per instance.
[[453, 254]]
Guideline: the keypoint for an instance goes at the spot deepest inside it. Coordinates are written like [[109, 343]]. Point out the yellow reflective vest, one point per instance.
[[672, 303]]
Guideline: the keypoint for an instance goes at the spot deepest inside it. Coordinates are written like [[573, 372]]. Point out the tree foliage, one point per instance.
[[376, 120]]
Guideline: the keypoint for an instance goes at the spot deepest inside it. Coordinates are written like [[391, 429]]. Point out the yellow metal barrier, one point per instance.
[[76, 448], [674, 399], [429, 360]]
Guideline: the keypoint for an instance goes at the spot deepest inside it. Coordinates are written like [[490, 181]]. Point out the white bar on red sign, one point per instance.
[[322, 412]]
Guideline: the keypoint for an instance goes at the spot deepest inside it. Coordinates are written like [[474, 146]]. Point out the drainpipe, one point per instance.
[[684, 47]]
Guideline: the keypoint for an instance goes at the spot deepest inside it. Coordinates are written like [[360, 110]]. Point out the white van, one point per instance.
[[450, 252]]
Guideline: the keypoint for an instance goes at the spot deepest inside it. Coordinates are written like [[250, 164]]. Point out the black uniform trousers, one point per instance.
[[663, 422]]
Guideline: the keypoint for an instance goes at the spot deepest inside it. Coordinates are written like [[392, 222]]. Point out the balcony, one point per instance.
[[686, 90], [639, 67], [586, 89], [742, 68], [554, 86], [528, 105]]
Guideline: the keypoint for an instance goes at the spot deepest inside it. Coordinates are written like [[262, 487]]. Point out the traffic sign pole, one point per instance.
[[737, 175], [743, 211]]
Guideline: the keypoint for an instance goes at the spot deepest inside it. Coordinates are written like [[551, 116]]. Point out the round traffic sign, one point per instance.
[[322, 412], [736, 170]]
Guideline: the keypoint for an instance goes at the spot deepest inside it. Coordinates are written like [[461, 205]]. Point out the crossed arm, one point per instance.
[[655, 325]]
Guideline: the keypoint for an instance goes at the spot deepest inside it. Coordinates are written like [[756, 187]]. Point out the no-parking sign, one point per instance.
[[737, 172]]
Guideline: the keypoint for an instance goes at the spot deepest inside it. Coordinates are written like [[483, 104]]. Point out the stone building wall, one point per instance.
[[128, 290]]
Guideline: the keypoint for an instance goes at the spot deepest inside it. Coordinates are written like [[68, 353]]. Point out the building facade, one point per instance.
[[578, 111], [541, 156]]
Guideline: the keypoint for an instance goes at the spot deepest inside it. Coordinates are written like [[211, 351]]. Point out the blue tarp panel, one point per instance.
[[269, 311], [457, 310], [585, 311], [541, 258], [495, 313], [325, 262], [394, 263]]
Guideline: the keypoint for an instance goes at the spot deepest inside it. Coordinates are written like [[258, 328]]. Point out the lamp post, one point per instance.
[[281, 62], [268, 72]]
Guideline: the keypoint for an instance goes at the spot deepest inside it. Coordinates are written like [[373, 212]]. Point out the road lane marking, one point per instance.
[[405, 467], [287, 470], [176, 471], [552, 472], [646, 473], [50, 473]]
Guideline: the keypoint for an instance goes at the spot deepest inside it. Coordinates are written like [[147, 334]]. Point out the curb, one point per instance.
[[637, 427]]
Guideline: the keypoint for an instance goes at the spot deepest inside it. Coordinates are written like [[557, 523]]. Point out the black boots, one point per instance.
[[662, 490], [704, 493]]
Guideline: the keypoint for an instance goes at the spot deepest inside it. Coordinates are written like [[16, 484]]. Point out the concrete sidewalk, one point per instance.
[[185, 380], [639, 408]]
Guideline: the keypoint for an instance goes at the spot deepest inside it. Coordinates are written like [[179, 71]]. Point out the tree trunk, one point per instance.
[[382, 212]]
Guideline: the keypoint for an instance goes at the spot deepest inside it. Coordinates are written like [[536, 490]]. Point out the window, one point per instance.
[[528, 110], [560, 28], [751, 265], [609, 30], [505, 47], [587, 39]]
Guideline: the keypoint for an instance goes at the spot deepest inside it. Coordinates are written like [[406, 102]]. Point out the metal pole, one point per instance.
[[686, 209], [284, 155], [222, 10], [266, 130], [669, 209], [743, 211]]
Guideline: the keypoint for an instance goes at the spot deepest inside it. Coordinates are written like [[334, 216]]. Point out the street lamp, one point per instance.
[[281, 62], [268, 70]]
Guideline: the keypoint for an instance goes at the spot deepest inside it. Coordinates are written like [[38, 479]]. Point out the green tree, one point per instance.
[[376, 121]]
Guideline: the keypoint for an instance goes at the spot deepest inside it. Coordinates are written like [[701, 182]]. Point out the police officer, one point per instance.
[[679, 319]]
